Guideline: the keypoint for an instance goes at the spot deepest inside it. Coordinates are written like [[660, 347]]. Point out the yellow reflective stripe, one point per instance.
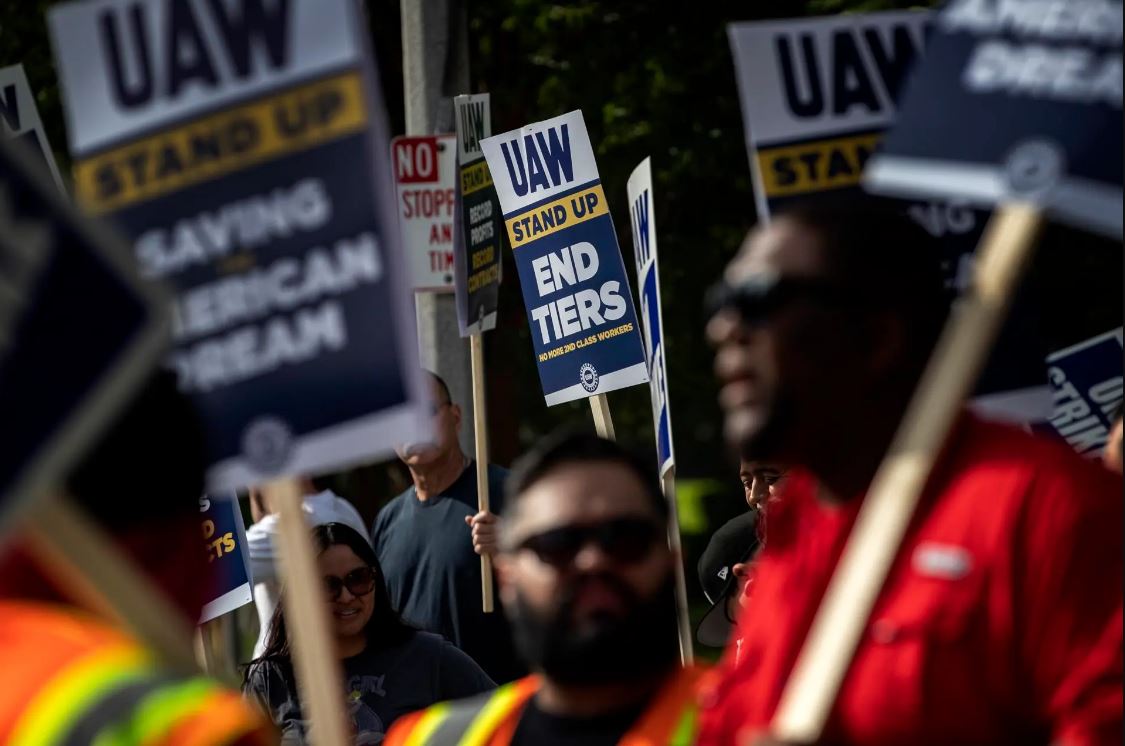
[[485, 723], [684, 734], [67, 695], [157, 714], [427, 724]]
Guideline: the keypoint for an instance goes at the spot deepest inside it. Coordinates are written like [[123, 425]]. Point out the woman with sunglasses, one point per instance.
[[390, 668]]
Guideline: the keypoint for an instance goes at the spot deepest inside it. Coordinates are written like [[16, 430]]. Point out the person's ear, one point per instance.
[[455, 413], [740, 570]]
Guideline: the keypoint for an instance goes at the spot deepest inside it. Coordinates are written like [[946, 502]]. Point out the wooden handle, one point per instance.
[[316, 663], [683, 618], [78, 554], [480, 437], [603, 420], [871, 549]]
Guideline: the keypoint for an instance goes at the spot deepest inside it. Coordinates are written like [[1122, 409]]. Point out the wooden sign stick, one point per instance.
[[79, 555], [683, 619], [480, 438], [603, 421], [882, 521], [320, 680]]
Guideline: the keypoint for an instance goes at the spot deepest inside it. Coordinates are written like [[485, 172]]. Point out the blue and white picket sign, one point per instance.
[[224, 540], [579, 306], [1015, 101], [643, 219], [818, 96], [243, 149], [1087, 379]]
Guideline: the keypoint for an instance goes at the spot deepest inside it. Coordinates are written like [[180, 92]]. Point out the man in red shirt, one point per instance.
[[1001, 618]]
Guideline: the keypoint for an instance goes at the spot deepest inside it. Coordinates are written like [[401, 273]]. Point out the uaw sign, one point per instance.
[[20, 118], [1016, 100], [479, 230], [241, 146], [425, 178], [583, 325], [643, 219], [224, 542], [1087, 380], [818, 95]]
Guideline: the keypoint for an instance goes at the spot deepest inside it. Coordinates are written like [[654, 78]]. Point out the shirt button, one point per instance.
[[884, 631]]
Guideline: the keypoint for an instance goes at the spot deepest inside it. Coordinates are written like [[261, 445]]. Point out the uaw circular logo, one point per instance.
[[1034, 166], [588, 377], [267, 443]]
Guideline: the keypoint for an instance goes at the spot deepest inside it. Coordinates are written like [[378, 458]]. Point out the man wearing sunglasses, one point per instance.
[[586, 576], [1000, 620]]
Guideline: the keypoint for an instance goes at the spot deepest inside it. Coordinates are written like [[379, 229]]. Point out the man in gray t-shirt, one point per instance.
[[429, 538]]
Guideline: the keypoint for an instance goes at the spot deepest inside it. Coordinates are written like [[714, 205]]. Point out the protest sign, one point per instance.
[[233, 147], [580, 310], [643, 219], [20, 118], [79, 330], [1087, 379], [477, 257], [224, 540], [1016, 101], [425, 181], [817, 96]]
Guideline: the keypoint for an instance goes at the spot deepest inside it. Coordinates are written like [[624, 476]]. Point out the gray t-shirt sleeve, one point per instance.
[[459, 675]]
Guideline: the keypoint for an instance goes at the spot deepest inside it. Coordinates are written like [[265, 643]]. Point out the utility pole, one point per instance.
[[435, 68]]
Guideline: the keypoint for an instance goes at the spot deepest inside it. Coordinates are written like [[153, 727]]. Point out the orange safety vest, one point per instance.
[[69, 679], [491, 719]]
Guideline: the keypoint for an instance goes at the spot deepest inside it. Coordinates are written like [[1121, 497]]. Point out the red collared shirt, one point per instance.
[[1000, 621]]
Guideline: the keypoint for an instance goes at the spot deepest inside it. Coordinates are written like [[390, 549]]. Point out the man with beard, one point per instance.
[[428, 539], [587, 578], [1000, 620]]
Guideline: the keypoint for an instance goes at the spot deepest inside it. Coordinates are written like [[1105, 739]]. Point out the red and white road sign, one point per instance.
[[425, 173]]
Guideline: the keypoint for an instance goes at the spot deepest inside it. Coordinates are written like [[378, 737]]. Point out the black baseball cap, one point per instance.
[[736, 541]]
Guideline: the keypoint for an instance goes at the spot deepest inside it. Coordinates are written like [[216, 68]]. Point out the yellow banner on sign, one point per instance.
[[475, 177], [815, 166], [564, 212], [221, 143]]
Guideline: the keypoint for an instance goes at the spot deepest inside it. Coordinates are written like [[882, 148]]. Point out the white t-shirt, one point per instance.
[[322, 508]]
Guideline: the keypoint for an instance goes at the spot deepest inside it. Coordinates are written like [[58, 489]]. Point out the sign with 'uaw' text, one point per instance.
[[20, 118], [818, 95], [1015, 101], [79, 330], [224, 541], [643, 220], [425, 173], [579, 307], [1087, 379], [478, 233], [242, 148]]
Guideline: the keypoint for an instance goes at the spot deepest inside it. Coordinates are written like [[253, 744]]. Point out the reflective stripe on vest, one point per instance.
[[112, 697], [152, 715], [669, 721], [76, 689]]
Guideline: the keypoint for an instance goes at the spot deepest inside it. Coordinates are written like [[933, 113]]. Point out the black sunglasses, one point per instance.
[[622, 539], [359, 582], [762, 295]]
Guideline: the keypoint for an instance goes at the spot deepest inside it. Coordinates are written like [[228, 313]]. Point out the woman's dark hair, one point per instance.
[[383, 629]]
